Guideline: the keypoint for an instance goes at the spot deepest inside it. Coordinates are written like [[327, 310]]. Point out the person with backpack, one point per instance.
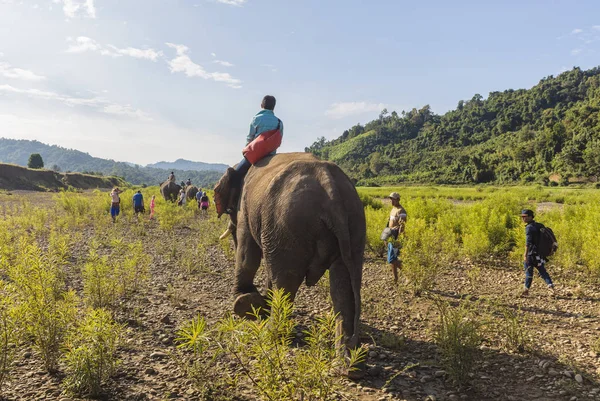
[[539, 244]]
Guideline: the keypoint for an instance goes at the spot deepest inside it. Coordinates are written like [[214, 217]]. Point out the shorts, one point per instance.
[[392, 253], [204, 207], [114, 209], [139, 209]]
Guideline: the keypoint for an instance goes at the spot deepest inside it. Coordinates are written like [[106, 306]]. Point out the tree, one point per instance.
[[35, 161], [56, 167]]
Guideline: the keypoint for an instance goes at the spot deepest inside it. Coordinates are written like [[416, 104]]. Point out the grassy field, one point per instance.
[[140, 309]]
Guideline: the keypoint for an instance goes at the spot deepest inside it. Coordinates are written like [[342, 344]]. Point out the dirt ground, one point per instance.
[[403, 361]]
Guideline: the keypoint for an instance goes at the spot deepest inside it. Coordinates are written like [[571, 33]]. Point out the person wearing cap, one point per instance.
[[395, 226], [531, 258]]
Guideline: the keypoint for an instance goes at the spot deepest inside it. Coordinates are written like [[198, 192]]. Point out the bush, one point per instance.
[[458, 339], [420, 255], [263, 353], [516, 337], [10, 330], [90, 352], [48, 310]]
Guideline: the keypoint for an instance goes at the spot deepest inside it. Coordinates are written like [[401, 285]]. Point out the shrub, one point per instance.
[[516, 337], [101, 283], [457, 338], [261, 349], [90, 352], [420, 256], [10, 329], [48, 310]]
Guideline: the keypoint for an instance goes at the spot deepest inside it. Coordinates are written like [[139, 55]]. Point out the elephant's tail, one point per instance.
[[337, 221]]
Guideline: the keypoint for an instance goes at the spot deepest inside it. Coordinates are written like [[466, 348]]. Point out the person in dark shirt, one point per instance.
[[138, 202], [531, 258]]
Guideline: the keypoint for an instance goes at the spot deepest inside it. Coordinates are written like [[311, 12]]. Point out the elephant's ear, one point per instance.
[[223, 191]]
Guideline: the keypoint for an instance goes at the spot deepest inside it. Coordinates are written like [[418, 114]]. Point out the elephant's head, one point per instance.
[[223, 193]]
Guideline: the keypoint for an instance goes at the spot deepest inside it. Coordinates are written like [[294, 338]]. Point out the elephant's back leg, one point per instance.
[[286, 272]]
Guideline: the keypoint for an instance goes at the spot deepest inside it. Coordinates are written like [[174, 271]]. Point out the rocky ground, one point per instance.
[[403, 359]]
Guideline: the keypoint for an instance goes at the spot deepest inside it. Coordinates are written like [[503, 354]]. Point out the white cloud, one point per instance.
[[213, 54], [97, 103], [237, 3], [576, 31], [223, 63], [82, 44], [575, 52], [7, 71], [77, 8], [148, 54], [184, 64], [347, 109]]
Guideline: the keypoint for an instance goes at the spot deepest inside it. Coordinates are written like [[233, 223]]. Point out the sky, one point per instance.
[[150, 80]]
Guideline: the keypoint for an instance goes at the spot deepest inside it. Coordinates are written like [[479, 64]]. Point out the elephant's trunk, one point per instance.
[[226, 234]]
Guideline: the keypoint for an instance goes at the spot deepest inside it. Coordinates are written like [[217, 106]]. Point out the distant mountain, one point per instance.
[[17, 151], [182, 164]]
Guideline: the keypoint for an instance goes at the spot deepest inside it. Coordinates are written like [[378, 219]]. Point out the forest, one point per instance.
[[549, 134]]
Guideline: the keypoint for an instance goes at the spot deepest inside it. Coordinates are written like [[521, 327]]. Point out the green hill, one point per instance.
[[58, 158], [549, 132]]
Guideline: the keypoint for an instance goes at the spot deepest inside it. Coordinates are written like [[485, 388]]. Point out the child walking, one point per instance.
[[152, 205]]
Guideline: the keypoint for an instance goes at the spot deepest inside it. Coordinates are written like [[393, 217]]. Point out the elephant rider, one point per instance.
[[188, 182], [265, 120], [171, 177]]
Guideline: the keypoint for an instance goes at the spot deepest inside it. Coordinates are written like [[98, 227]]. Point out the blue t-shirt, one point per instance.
[[138, 199], [199, 195]]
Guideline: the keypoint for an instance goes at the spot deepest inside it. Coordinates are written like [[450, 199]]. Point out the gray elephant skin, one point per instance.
[[170, 190], [302, 216], [190, 192]]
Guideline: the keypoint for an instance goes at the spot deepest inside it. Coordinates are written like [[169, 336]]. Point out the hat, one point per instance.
[[526, 212], [394, 195]]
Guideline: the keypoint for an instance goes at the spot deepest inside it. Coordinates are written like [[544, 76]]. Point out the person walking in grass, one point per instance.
[[204, 204], [138, 203], [395, 226], [115, 205], [531, 257], [199, 195], [152, 206], [181, 198]]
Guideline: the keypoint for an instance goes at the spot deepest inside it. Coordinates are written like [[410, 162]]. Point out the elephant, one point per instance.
[[170, 190], [302, 216], [190, 192]]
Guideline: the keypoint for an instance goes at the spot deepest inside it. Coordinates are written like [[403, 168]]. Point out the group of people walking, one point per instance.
[[139, 207]]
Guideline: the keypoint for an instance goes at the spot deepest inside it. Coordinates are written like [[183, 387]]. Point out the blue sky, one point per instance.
[[151, 80]]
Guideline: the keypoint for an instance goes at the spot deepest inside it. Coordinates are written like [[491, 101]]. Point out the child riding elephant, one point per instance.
[[266, 131]]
